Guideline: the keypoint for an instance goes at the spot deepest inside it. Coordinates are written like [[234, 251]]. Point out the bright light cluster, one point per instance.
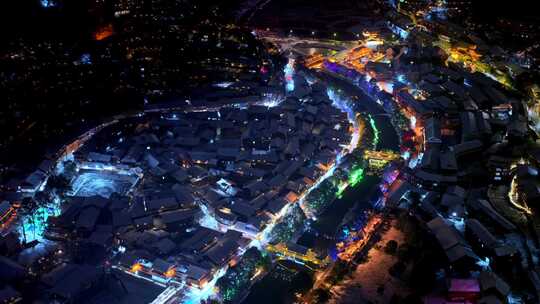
[[33, 226], [289, 75]]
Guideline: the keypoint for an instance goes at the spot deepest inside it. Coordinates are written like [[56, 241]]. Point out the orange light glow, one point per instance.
[[104, 32], [348, 251], [291, 197], [324, 167], [314, 61], [170, 273], [256, 274], [203, 283], [136, 267]]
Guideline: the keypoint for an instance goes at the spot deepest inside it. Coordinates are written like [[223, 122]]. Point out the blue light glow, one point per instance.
[[32, 227], [86, 59], [289, 75], [484, 264], [406, 155], [102, 183], [272, 100], [401, 78], [47, 3], [224, 84], [402, 33]]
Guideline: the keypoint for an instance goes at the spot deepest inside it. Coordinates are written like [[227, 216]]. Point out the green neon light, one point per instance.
[[341, 188], [375, 130], [356, 176]]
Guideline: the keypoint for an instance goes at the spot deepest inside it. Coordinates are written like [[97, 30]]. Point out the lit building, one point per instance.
[[7, 212], [297, 253], [379, 159]]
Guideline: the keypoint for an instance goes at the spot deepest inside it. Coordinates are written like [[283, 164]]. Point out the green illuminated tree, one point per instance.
[[238, 277]]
